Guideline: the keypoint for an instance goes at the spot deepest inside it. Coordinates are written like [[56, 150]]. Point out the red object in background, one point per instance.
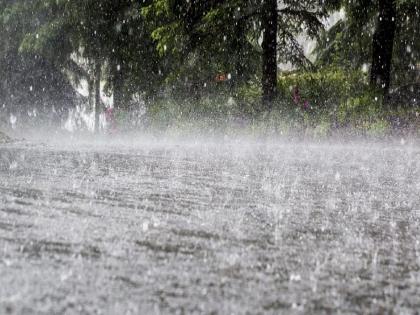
[[296, 95], [297, 99], [221, 78], [110, 119]]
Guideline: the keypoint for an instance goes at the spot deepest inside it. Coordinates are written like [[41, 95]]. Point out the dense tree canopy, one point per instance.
[[154, 48], [355, 40], [29, 80]]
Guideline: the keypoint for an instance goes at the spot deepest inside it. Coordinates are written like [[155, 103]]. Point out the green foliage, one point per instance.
[[338, 99], [170, 52], [324, 89], [29, 79], [360, 110], [204, 38], [348, 43]]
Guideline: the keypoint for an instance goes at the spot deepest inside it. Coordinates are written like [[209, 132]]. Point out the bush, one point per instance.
[[360, 110], [338, 99], [324, 89]]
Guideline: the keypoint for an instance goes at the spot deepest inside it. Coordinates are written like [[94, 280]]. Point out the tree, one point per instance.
[[209, 35], [269, 55], [30, 81], [382, 34], [106, 41], [199, 39], [97, 90], [382, 46]]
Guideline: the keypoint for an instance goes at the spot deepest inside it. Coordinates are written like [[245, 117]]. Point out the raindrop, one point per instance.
[[365, 68], [295, 277], [145, 226], [13, 120]]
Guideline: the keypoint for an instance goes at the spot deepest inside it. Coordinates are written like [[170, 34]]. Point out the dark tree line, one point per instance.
[[383, 44], [154, 46], [384, 34]]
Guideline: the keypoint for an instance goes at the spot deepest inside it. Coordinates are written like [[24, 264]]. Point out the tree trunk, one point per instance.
[[97, 94], [382, 46], [239, 49], [237, 45], [118, 86], [91, 91], [269, 58]]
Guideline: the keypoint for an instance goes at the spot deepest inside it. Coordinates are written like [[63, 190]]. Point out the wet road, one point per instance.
[[209, 229]]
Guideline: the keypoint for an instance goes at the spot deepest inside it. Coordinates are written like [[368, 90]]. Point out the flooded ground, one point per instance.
[[232, 228]]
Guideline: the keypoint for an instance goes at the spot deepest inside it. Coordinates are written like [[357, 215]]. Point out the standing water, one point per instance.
[[219, 228]]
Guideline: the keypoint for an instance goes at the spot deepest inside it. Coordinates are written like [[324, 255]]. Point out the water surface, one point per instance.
[[212, 228]]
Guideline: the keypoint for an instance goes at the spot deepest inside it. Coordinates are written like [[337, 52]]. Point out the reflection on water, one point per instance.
[[209, 228]]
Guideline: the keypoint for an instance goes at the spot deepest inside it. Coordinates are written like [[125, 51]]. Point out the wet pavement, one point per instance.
[[216, 228]]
